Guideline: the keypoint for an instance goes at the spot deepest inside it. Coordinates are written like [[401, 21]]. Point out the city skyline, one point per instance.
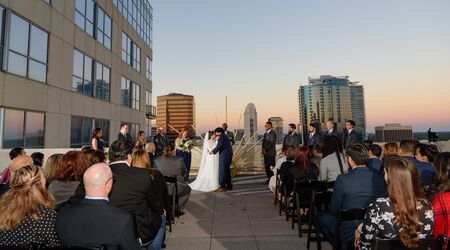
[[260, 52]]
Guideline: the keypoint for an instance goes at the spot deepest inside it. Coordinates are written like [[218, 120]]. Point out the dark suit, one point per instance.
[[174, 166], [160, 141], [426, 170], [95, 222], [230, 136], [351, 138], [225, 151], [132, 191], [333, 132], [292, 139], [269, 151], [127, 138], [374, 164], [355, 189], [315, 139]]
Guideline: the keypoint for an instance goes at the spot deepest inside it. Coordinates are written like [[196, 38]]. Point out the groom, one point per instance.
[[225, 155]]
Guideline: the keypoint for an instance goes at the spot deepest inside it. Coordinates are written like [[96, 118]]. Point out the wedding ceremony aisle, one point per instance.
[[244, 218]]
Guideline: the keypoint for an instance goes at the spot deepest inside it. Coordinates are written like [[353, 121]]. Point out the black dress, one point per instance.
[[42, 231]]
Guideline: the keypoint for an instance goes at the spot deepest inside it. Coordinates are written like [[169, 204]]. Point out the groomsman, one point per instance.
[[123, 135], [331, 128], [314, 138], [160, 141], [268, 149], [351, 136], [228, 133], [292, 138]]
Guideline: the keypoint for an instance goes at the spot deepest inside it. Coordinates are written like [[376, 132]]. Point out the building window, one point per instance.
[[80, 131], [46, 1], [102, 84], [23, 129], [2, 14], [131, 53], [125, 92], [135, 96], [134, 129], [104, 125], [149, 68], [82, 73], [84, 15], [103, 32], [27, 54]]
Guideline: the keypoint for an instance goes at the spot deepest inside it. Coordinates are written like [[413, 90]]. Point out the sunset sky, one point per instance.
[[259, 51]]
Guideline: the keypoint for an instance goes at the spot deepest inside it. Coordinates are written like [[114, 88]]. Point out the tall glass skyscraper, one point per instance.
[[331, 97]]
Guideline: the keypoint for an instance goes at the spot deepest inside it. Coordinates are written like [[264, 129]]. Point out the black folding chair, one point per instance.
[[36, 246], [320, 201], [173, 197], [396, 244], [302, 188], [277, 187], [346, 215]]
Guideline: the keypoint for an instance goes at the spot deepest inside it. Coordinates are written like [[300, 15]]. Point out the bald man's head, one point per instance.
[[98, 180], [19, 162]]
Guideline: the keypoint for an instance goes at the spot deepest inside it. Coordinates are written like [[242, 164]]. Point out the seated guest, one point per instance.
[[93, 222], [317, 155], [301, 170], [374, 162], [132, 191], [403, 214], [333, 162], [6, 174], [98, 157], [272, 180], [38, 158], [425, 154], [151, 149], [439, 194], [390, 148], [16, 163], [353, 190], [50, 167], [285, 168], [426, 171], [69, 174], [26, 210], [171, 165]]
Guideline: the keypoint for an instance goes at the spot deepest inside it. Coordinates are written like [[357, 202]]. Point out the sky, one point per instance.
[[260, 51]]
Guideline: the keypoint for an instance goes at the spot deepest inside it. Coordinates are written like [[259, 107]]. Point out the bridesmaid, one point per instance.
[[183, 152], [97, 139]]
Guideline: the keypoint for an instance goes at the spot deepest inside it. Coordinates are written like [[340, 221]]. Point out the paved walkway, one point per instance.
[[244, 218]]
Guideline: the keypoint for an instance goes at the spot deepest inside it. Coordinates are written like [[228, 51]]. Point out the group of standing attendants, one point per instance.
[[404, 188]]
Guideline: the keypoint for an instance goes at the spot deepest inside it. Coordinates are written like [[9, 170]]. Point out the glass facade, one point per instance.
[[80, 131], [131, 53], [23, 129], [103, 31], [102, 83], [134, 129], [139, 14], [27, 55], [94, 21], [125, 85], [82, 79], [135, 96], [84, 15], [2, 15], [148, 67]]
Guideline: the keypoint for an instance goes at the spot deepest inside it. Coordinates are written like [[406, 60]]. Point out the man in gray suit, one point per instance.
[[171, 165]]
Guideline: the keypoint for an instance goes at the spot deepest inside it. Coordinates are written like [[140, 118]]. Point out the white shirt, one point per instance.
[[350, 130], [96, 198]]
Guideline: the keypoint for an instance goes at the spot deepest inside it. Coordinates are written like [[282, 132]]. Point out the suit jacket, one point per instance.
[[333, 132], [230, 136], [426, 170], [224, 146], [356, 189], [126, 138], [160, 141], [95, 222], [292, 140], [315, 139], [268, 144], [374, 164], [351, 138], [132, 191]]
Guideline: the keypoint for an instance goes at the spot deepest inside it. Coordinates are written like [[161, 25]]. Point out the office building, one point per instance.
[[394, 132], [277, 123], [250, 124], [175, 112]]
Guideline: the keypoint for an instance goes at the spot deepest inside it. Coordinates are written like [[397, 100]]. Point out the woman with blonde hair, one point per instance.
[[390, 148], [141, 140], [183, 150], [26, 211], [50, 167]]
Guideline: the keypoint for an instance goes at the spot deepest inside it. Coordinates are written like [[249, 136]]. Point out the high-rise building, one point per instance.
[[178, 111], [277, 123], [393, 132], [250, 123], [331, 97], [70, 66]]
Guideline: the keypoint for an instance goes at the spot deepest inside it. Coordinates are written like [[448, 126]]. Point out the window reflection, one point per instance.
[[34, 136], [23, 129], [13, 128], [18, 38]]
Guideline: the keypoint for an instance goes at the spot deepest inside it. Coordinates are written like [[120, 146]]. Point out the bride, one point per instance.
[[208, 172]]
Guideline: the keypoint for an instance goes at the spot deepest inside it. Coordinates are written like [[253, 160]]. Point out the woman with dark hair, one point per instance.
[[390, 148], [26, 211], [333, 162], [38, 158], [69, 174], [97, 139], [439, 194], [403, 214], [425, 153], [141, 140]]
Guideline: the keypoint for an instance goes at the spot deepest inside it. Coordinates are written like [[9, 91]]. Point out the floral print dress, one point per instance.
[[379, 222]]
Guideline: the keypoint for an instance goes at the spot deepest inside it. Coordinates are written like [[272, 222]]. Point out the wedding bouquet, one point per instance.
[[187, 146]]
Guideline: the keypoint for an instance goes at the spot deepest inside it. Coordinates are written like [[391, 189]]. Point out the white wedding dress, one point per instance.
[[208, 172]]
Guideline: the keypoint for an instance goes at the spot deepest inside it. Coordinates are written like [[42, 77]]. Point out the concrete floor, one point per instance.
[[244, 218]]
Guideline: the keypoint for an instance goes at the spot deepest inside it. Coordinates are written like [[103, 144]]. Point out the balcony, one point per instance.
[[150, 112]]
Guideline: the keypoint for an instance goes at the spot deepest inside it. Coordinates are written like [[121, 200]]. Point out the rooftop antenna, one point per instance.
[[226, 109]]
